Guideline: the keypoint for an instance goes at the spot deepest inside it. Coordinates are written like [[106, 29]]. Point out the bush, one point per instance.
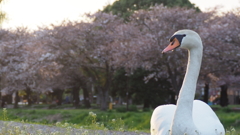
[[226, 109], [52, 106], [146, 109], [121, 109], [132, 108]]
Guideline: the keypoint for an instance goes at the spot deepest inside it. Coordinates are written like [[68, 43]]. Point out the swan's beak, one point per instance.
[[174, 44]]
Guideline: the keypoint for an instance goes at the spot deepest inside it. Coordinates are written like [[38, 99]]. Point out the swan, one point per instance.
[[188, 116]]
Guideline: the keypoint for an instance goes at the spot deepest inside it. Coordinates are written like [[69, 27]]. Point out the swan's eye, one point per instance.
[[173, 42], [172, 38], [176, 37]]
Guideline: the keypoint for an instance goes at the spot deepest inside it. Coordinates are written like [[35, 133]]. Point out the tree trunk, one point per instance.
[[38, 98], [224, 96], [3, 101], [146, 103], [59, 94], [76, 100], [104, 90], [9, 99], [28, 96], [103, 96], [16, 99], [127, 95], [176, 84], [86, 98], [206, 90], [104, 102], [173, 98]]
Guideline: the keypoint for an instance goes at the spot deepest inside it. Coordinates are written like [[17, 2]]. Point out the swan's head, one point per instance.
[[187, 39]]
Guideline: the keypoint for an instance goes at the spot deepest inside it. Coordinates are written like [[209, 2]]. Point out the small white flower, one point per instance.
[[23, 132], [233, 129], [56, 133], [105, 129], [121, 129], [85, 132], [66, 125], [25, 126], [90, 113], [39, 131], [93, 114], [58, 123]]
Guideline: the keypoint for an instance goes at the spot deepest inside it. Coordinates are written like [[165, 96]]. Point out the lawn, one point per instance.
[[112, 119]]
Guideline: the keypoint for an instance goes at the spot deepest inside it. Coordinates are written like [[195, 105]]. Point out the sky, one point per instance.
[[34, 13]]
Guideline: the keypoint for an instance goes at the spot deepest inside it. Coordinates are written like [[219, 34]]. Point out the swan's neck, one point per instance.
[[183, 116]]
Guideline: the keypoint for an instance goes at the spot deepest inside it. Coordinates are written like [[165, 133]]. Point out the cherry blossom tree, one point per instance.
[[85, 48], [13, 57], [80, 54], [222, 49], [147, 34]]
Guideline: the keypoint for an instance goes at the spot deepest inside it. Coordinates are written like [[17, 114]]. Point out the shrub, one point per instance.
[[226, 109], [133, 108], [121, 109], [146, 109]]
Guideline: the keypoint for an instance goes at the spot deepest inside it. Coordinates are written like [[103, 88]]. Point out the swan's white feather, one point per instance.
[[191, 117], [203, 116], [206, 120], [161, 119]]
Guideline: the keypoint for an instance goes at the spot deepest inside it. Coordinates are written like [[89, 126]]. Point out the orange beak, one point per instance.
[[174, 44]]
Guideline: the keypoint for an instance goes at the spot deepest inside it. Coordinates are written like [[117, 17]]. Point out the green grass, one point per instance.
[[230, 119], [111, 120]]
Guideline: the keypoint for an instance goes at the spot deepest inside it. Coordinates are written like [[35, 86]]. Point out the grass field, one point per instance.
[[112, 120]]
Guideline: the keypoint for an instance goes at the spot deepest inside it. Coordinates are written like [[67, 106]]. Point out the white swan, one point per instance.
[[189, 116]]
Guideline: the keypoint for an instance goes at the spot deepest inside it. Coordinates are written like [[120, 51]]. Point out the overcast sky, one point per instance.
[[33, 13]]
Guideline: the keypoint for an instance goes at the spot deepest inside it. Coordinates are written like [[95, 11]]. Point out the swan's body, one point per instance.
[[189, 116]]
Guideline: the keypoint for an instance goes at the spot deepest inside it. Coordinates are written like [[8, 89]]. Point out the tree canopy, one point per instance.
[[125, 8]]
